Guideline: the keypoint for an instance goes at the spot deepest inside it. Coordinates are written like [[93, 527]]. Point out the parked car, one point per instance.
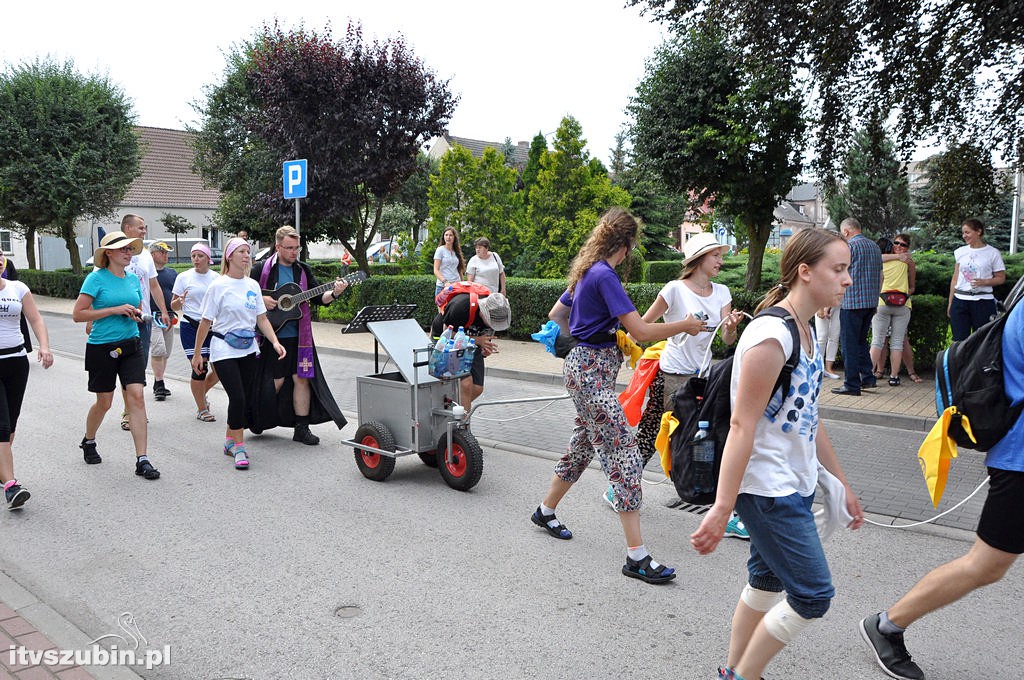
[[375, 248]]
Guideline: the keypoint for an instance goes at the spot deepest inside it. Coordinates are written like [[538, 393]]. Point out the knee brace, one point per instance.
[[758, 600], [783, 623]]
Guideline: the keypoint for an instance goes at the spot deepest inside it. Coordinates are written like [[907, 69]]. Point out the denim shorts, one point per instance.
[[786, 552]]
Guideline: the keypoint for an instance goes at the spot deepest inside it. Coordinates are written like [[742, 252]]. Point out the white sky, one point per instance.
[[518, 68]]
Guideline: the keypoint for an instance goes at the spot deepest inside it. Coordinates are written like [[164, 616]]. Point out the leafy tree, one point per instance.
[[357, 112], [720, 129], [571, 192], [478, 198], [960, 183], [619, 157], [176, 224], [661, 210], [449, 197], [228, 156], [396, 219], [876, 191], [537, 147], [413, 193], [68, 150], [947, 67]]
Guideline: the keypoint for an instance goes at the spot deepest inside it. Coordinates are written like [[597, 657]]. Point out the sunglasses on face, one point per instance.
[[901, 244]]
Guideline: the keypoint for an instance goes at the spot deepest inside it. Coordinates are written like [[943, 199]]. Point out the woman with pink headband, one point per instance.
[[187, 297], [232, 308]]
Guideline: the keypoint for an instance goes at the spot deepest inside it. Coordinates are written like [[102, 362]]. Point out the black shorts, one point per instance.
[[289, 365], [476, 369], [1002, 518], [105, 364]]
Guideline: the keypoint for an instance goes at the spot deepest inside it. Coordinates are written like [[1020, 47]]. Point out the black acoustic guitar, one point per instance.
[[289, 296]]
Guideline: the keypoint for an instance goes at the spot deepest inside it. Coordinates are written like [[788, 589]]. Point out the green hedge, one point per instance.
[[60, 284], [531, 299], [663, 271]]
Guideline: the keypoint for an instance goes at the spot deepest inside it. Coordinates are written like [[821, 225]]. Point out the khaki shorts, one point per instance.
[[162, 340]]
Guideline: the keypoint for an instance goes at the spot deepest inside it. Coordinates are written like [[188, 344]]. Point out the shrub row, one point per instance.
[[531, 299]]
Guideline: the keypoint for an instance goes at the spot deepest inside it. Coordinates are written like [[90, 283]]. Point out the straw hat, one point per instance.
[[700, 245], [115, 240]]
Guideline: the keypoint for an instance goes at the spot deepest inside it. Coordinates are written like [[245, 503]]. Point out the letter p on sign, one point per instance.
[[295, 179]]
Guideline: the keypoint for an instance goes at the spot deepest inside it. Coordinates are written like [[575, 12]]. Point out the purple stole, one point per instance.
[[304, 359]]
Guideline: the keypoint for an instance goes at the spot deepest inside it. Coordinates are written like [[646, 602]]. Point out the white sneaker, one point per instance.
[[831, 376]]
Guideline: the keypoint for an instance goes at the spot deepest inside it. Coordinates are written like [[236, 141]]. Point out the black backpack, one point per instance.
[[708, 398], [969, 376]]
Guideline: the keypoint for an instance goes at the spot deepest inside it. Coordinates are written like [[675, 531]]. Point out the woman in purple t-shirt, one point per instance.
[[591, 309]]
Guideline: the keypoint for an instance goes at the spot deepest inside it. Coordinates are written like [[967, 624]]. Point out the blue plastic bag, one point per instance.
[[547, 335]]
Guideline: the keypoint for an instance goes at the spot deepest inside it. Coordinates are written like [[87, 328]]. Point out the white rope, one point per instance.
[[705, 363], [525, 415], [941, 514]]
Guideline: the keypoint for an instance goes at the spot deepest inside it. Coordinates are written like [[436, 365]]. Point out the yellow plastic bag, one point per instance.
[[936, 452], [662, 443]]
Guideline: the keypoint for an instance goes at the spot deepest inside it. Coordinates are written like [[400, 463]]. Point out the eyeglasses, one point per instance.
[[901, 244], [125, 249]]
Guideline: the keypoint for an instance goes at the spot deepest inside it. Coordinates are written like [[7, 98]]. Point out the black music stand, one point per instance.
[[372, 313]]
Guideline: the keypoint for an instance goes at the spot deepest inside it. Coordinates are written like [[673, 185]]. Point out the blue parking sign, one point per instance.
[[295, 179]]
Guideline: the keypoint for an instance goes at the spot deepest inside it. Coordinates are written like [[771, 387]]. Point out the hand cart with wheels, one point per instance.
[[408, 410]]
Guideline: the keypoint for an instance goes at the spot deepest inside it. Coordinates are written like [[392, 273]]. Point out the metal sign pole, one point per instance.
[[297, 217], [1015, 213]]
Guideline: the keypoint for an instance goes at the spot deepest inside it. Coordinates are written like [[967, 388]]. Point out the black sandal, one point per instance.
[[558, 530], [643, 571], [143, 468], [894, 380]]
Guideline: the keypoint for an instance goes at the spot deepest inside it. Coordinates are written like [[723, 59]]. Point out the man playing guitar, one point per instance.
[[305, 398]]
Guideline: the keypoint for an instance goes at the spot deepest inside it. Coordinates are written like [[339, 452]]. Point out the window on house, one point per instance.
[[5, 241]]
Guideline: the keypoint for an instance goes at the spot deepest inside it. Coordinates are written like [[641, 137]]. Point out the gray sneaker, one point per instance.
[[16, 496], [889, 650]]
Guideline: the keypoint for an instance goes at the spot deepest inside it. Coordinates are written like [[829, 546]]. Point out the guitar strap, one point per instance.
[[304, 361]]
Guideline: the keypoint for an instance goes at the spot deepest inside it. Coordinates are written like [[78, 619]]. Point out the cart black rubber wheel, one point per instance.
[[464, 471], [373, 465], [429, 458]]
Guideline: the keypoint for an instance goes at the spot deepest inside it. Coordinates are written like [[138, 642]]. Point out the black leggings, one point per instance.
[[13, 380], [237, 375]]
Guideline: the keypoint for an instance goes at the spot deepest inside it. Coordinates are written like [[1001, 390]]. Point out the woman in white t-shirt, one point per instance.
[[187, 297], [232, 308], [978, 268], [770, 465], [485, 267], [449, 265], [704, 304], [15, 300], [694, 297]]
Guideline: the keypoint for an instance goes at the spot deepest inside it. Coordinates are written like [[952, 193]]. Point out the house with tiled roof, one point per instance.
[[439, 146], [165, 185]]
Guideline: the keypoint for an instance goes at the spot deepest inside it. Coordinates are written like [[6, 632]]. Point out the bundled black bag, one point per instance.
[[707, 397], [969, 376]]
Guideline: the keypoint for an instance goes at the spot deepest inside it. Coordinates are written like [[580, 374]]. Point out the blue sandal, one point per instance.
[[557, 530], [642, 570]]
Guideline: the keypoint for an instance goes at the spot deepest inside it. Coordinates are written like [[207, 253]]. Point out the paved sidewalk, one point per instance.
[[910, 406]]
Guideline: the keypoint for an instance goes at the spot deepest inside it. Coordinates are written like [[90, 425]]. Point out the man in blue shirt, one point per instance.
[[1000, 533], [859, 305]]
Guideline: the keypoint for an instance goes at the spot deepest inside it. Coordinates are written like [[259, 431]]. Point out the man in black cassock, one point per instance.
[[292, 392]]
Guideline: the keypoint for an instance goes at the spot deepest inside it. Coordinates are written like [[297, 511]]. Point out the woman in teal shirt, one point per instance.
[[110, 303]]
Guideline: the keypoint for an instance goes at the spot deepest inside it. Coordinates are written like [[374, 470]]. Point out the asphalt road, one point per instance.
[[300, 567]]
